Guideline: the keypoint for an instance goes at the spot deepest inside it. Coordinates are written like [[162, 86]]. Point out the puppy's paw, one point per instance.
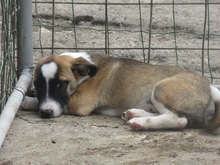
[[29, 103], [128, 115], [135, 113], [182, 122], [137, 124]]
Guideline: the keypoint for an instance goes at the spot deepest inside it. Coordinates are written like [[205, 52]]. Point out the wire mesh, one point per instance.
[[8, 50], [142, 24]]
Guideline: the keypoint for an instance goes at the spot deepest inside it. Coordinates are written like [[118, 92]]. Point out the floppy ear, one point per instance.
[[84, 69]]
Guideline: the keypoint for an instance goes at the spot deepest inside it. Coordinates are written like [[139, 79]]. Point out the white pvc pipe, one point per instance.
[[14, 102]]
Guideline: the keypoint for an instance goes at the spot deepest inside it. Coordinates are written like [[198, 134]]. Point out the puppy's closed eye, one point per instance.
[[62, 84]]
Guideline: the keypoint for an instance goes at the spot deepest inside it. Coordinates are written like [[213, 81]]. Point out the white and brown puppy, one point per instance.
[[147, 96]]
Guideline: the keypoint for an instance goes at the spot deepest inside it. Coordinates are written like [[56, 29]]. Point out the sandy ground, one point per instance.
[[100, 139]]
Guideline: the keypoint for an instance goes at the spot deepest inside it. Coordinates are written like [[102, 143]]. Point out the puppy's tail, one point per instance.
[[215, 121]]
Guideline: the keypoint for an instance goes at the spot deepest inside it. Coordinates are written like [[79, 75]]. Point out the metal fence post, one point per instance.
[[25, 39], [25, 65]]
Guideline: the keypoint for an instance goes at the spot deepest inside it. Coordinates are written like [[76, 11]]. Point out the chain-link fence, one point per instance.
[[167, 32], [8, 49]]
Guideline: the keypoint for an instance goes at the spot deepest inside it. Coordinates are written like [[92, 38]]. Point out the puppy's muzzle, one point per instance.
[[50, 108], [46, 113]]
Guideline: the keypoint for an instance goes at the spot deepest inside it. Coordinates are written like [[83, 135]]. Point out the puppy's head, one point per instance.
[[56, 79]]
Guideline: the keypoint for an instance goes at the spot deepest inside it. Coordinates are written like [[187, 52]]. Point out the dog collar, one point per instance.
[[83, 79]]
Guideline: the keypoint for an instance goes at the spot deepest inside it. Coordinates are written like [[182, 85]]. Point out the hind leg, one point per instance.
[[148, 121], [165, 120]]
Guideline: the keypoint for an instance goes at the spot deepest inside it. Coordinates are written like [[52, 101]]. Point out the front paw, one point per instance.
[[137, 124], [133, 113], [29, 103], [128, 115]]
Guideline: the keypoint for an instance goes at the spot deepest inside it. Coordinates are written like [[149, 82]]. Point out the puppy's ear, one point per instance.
[[84, 69]]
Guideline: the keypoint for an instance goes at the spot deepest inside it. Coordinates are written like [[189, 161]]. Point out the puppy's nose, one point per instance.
[[46, 113]]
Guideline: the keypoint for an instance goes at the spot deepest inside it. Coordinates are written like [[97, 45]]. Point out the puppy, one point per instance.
[[147, 96]]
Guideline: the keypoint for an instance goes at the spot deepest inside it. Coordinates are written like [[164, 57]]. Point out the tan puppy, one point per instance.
[[147, 96]]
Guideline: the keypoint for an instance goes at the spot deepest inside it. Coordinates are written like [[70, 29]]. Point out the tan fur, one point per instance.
[[186, 94], [123, 83], [215, 121]]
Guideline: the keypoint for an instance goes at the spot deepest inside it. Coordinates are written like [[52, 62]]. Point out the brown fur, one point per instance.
[[215, 121], [186, 94], [122, 83]]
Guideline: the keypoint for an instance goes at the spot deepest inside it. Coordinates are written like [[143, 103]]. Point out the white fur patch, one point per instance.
[[215, 93], [49, 70], [141, 113], [164, 121], [134, 113], [52, 105], [84, 55]]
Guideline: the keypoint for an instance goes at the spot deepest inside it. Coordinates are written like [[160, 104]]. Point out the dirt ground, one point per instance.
[[98, 139]]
